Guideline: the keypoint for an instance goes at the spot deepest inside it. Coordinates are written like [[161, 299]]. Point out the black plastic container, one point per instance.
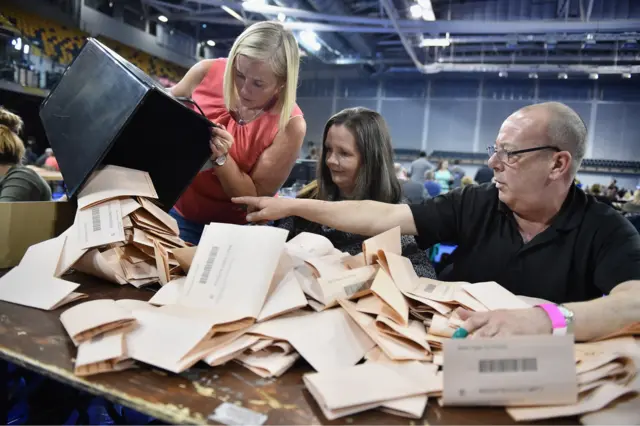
[[105, 110]]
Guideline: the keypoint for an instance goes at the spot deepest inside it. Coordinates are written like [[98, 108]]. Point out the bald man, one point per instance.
[[532, 231]]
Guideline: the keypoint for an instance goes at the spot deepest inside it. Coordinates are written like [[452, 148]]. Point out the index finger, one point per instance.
[[475, 321], [249, 201]]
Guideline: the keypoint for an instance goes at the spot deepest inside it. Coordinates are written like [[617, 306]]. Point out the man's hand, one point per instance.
[[505, 322], [262, 209]]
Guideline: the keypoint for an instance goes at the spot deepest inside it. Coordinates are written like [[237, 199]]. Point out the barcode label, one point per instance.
[[208, 266], [429, 288], [507, 365], [352, 289], [95, 219]]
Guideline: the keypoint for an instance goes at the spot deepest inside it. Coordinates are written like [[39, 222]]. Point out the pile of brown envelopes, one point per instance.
[[246, 295]]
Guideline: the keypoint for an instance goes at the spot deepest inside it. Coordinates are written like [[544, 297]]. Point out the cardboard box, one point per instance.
[[27, 223]]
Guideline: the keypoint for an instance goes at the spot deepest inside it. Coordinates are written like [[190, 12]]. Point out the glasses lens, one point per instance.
[[491, 150]]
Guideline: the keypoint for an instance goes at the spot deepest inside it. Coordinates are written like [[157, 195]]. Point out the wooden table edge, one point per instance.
[[165, 412]]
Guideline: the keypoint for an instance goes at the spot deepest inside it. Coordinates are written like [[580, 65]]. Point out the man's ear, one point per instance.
[[561, 163]]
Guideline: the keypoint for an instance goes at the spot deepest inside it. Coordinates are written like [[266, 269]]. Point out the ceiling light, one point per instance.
[[503, 74], [626, 75], [435, 42], [211, 43], [593, 76], [533, 75], [232, 13], [256, 2], [425, 3], [204, 25], [310, 40], [163, 18], [427, 15], [171, 32], [110, 4], [416, 11], [563, 76], [26, 49], [282, 17], [18, 44]]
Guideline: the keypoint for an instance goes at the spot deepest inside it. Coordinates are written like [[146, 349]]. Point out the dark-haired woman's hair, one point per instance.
[[375, 179]]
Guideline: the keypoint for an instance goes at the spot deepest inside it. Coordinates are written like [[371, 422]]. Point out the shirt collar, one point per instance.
[[570, 214]]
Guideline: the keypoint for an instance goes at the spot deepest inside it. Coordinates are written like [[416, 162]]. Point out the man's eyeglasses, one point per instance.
[[508, 156]]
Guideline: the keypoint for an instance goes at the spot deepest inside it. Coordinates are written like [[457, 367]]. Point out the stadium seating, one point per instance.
[[62, 44]]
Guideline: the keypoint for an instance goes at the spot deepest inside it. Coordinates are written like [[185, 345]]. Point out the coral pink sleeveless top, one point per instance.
[[205, 201]]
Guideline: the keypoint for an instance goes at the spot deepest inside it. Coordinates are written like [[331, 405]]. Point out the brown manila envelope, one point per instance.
[[287, 296], [629, 330], [268, 364], [184, 256], [623, 411], [128, 205], [395, 306], [413, 406], [396, 347], [90, 319], [440, 326], [370, 304], [168, 293], [99, 225], [32, 282], [348, 391], [115, 182], [163, 220], [336, 341], [518, 370], [231, 273], [104, 265], [595, 400], [413, 334], [388, 241], [619, 345], [494, 296], [406, 280], [71, 251], [162, 263], [223, 354], [102, 354], [168, 341]]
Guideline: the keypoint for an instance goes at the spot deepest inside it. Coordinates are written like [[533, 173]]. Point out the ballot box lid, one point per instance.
[[105, 110]]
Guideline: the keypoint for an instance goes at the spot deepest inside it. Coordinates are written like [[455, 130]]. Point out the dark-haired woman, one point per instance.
[[356, 163]]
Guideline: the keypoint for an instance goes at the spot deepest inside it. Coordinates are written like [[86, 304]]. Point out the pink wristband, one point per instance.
[[558, 322]]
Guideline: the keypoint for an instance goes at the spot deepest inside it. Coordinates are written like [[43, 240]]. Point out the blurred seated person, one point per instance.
[[40, 162], [596, 191], [444, 176], [430, 184], [633, 206], [30, 157], [414, 192], [51, 163], [466, 181], [458, 173], [356, 164], [484, 175], [17, 182]]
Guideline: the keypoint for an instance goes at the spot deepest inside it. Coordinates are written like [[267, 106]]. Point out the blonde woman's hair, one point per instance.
[[11, 146], [272, 43]]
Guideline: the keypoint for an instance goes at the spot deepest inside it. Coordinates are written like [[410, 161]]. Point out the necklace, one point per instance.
[[241, 121]]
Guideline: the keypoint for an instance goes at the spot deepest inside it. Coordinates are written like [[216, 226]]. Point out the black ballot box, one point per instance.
[[104, 110]]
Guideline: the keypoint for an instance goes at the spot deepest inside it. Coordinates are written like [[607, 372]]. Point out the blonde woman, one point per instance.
[[17, 182], [250, 96]]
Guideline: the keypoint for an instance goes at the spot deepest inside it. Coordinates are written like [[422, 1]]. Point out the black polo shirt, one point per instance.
[[587, 250]]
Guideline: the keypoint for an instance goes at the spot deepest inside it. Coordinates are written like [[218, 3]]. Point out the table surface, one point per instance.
[[36, 340], [49, 175]]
